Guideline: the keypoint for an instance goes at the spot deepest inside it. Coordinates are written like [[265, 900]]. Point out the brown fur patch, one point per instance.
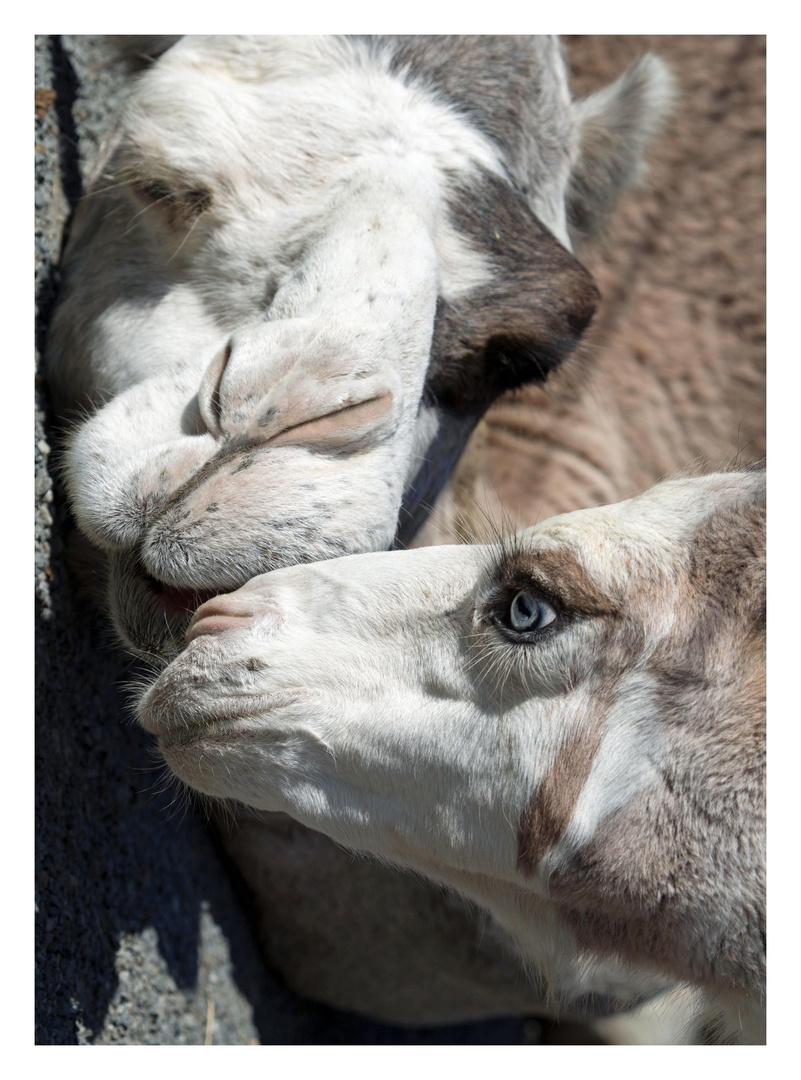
[[524, 322], [677, 876], [552, 805], [559, 570]]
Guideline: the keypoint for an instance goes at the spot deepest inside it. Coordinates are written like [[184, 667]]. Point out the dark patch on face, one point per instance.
[[558, 576], [553, 804], [525, 321], [267, 416]]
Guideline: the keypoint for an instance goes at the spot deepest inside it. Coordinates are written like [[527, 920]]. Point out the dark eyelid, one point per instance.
[[154, 190], [181, 207], [542, 591], [560, 578], [507, 588]]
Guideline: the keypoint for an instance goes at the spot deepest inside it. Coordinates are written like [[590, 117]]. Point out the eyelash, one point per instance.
[[153, 191], [187, 206]]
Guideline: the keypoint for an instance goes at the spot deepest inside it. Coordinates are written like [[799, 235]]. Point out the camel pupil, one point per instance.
[[525, 612]]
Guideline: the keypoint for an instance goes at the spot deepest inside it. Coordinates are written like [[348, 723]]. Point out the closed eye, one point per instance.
[[152, 191], [182, 207]]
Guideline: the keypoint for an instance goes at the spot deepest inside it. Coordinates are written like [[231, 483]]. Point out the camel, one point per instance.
[[565, 726], [272, 349], [304, 269]]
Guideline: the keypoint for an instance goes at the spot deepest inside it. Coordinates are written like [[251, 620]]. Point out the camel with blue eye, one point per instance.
[[566, 727], [303, 269]]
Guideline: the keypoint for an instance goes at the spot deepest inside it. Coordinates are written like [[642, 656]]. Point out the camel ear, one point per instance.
[[526, 319], [614, 129]]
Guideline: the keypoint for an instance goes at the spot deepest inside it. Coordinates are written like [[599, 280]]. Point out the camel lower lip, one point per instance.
[[246, 716], [195, 737]]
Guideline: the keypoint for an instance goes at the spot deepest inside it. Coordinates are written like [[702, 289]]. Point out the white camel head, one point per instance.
[[304, 269], [567, 722]]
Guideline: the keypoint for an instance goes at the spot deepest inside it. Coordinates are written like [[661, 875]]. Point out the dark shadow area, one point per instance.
[[65, 84]]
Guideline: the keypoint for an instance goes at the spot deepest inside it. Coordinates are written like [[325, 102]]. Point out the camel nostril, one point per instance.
[[225, 612], [238, 610], [215, 624]]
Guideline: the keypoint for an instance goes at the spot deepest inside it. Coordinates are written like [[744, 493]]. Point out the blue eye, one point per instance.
[[528, 612]]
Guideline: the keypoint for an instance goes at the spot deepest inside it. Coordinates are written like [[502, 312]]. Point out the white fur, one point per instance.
[[312, 147]]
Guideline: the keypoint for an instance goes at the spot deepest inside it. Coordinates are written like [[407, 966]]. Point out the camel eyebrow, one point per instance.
[[559, 576]]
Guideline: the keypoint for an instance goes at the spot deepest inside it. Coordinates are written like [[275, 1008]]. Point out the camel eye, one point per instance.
[[152, 191], [528, 612]]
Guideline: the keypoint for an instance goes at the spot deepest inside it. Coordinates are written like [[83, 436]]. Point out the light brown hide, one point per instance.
[[676, 877], [551, 807]]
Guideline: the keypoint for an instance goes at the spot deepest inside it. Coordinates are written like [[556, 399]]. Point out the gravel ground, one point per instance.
[[142, 936]]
